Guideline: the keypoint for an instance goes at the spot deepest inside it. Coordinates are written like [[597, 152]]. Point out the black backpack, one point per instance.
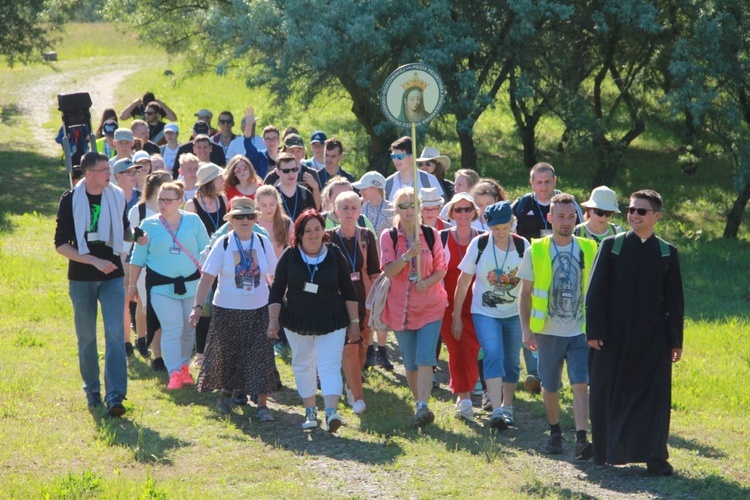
[[518, 241], [429, 235], [226, 241]]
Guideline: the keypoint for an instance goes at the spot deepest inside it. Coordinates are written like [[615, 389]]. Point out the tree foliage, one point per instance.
[[29, 28]]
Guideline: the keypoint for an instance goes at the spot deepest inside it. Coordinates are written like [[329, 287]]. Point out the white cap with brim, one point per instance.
[[429, 197], [445, 212], [602, 198], [172, 127], [370, 179]]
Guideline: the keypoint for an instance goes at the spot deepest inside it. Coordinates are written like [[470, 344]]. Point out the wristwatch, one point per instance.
[[355, 320], [404, 259]]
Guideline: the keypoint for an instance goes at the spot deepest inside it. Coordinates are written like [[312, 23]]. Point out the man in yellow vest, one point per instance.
[[554, 279]]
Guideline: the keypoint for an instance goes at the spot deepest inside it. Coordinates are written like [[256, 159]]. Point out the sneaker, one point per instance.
[[128, 349], [435, 382], [478, 389], [554, 444], [584, 450], [175, 381], [382, 357], [116, 408], [333, 421], [486, 403], [508, 416], [464, 410], [187, 379], [142, 348], [533, 384], [158, 365], [240, 399], [224, 404], [197, 360], [349, 396], [265, 415], [369, 358], [311, 419], [94, 399], [424, 416], [359, 406], [497, 421]]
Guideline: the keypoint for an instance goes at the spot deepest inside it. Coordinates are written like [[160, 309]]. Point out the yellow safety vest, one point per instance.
[[542, 264]]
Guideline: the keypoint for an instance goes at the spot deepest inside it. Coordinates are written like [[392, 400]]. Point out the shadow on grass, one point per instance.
[[145, 444], [703, 450], [10, 115], [36, 184]]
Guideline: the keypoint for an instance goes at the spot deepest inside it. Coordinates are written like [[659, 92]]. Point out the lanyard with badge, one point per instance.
[[310, 286], [247, 279], [546, 231], [174, 249], [499, 270], [211, 217], [296, 199], [352, 259]]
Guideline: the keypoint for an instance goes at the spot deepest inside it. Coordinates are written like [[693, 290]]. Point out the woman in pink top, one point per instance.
[[415, 304]]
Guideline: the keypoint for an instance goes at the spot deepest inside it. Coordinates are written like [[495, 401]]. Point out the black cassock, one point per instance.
[[635, 306]]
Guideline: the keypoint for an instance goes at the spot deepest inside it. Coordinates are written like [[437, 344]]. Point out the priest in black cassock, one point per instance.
[[634, 323]]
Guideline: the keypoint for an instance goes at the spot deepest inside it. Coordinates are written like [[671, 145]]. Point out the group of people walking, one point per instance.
[[330, 268]]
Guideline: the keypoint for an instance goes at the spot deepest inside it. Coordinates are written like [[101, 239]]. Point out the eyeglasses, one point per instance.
[[429, 209], [640, 211], [166, 201], [425, 163], [404, 206], [271, 139], [603, 213], [289, 170], [244, 216], [131, 173], [226, 122], [463, 210], [399, 156]]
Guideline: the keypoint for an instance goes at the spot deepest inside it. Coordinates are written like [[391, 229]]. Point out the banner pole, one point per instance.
[[415, 183]]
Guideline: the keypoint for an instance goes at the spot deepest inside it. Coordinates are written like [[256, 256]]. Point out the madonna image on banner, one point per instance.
[[414, 93]]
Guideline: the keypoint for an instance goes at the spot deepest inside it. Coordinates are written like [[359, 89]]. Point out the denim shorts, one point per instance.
[[553, 351], [500, 339], [418, 346]]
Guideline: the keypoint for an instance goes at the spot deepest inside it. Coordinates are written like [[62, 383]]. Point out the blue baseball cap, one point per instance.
[[498, 213]]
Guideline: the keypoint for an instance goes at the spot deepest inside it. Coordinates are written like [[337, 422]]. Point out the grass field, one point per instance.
[[174, 445]]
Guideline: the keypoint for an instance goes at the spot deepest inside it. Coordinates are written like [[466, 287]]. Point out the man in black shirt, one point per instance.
[[92, 231], [295, 198]]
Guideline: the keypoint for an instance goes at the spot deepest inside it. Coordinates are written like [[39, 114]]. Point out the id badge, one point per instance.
[[311, 288], [545, 232], [354, 276], [92, 237], [247, 287], [174, 250], [413, 276]]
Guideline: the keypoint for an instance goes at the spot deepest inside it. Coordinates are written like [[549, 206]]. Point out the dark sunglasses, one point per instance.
[[404, 206], [425, 163], [289, 170], [640, 211], [244, 216], [226, 122], [463, 210], [399, 156], [602, 213]]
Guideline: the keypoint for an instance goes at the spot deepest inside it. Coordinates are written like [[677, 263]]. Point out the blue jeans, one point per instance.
[[111, 295], [418, 346], [500, 339]]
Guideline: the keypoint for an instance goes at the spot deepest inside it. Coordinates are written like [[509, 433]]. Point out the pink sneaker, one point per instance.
[[175, 381], [187, 379]]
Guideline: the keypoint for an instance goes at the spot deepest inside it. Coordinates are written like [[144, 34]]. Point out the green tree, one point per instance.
[[710, 82], [29, 28]]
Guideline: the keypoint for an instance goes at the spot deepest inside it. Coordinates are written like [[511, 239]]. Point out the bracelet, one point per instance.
[[356, 320], [273, 319], [197, 305]]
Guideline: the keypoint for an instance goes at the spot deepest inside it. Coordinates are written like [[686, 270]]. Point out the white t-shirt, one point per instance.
[[565, 310], [241, 287], [494, 296], [397, 184], [169, 155]]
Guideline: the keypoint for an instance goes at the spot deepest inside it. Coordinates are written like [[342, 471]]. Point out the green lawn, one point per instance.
[[174, 445]]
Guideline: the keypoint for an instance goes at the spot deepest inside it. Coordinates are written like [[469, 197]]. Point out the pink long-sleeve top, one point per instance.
[[405, 307]]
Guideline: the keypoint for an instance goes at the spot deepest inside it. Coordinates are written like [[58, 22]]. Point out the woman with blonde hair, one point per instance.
[[272, 217], [240, 178]]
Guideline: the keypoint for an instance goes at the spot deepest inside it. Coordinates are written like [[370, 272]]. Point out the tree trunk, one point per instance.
[[468, 148], [608, 157], [734, 219]]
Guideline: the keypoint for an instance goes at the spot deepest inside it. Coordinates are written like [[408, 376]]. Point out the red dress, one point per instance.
[[233, 192], [462, 354]]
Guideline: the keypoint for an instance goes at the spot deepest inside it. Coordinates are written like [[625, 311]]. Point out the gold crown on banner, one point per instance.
[[415, 82]]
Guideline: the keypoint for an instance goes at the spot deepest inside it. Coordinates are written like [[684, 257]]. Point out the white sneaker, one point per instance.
[[359, 406], [311, 420], [334, 422], [464, 410], [349, 397]]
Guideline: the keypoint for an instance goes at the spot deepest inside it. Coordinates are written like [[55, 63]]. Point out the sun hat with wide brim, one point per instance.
[[208, 172], [445, 213], [429, 197], [602, 198], [434, 155], [241, 206]]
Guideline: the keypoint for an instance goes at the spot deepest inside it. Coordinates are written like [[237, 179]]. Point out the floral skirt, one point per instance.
[[238, 355]]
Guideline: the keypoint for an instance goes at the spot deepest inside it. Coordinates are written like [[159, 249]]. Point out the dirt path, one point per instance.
[[38, 101]]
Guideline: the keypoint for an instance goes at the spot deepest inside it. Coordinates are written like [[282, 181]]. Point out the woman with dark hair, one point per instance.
[[107, 114], [432, 162], [485, 193], [240, 178], [314, 300]]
